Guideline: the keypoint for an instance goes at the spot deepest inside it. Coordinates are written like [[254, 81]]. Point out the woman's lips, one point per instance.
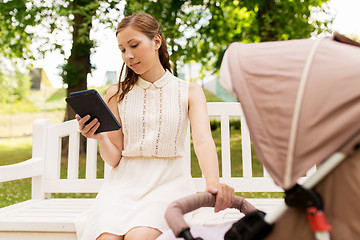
[[134, 65]]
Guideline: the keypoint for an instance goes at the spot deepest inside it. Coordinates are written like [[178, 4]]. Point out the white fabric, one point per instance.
[[207, 233], [152, 172], [154, 118]]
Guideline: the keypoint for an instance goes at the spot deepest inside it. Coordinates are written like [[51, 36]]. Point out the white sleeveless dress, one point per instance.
[[152, 172]]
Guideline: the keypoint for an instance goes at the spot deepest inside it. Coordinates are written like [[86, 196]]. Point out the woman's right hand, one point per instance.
[[89, 129]]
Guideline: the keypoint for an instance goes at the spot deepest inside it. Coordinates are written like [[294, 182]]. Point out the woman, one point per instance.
[[147, 153]]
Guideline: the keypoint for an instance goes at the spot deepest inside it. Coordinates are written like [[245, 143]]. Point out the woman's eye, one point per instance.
[[122, 50], [135, 45]]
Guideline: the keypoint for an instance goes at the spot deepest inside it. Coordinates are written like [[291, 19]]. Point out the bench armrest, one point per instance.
[[28, 168]]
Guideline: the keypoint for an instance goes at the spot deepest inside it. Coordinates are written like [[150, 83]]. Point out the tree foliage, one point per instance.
[[52, 26], [195, 30], [15, 37], [50, 23], [168, 13], [200, 31]]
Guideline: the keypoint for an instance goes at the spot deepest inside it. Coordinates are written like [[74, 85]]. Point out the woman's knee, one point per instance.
[[143, 233], [109, 236]]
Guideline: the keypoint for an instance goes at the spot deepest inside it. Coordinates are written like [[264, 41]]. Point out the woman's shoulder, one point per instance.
[[195, 88], [111, 92], [195, 91], [112, 89]]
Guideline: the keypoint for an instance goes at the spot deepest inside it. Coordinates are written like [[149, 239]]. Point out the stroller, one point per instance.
[[301, 99]]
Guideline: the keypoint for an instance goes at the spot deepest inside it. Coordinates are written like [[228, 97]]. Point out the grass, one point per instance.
[[14, 151]]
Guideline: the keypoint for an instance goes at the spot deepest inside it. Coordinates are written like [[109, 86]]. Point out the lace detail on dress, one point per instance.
[[160, 121], [180, 119], [156, 119], [143, 123], [125, 108]]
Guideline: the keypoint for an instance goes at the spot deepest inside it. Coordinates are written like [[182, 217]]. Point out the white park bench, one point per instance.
[[44, 217]]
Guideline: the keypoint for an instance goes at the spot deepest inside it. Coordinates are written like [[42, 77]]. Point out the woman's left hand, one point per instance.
[[225, 195]]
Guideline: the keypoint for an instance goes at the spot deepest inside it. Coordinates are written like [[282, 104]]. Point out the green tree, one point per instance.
[[15, 40], [200, 31], [195, 30], [23, 21], [15, 37], [78, 65]]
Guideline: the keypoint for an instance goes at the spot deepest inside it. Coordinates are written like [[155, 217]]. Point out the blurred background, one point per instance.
[[50, 48]]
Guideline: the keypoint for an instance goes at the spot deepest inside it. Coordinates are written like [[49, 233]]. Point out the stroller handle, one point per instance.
[[175, 212]]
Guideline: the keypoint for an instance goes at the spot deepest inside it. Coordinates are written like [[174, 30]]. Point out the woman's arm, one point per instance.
[[110, 143], [205, 149]]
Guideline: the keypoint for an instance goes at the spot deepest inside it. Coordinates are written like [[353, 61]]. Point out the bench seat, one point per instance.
[[55, 218]]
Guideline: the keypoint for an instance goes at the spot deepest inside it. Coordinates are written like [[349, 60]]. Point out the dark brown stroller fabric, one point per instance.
[[301, 100]]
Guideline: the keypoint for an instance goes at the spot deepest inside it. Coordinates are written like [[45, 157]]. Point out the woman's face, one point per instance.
[[138, 51]]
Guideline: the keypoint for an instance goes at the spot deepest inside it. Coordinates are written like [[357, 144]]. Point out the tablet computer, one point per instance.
[[90, 102]]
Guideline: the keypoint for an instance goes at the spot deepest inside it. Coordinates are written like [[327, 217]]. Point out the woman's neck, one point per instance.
[[155, 73]]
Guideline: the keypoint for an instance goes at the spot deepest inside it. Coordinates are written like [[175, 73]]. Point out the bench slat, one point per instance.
[[246, 148], [28, 168], [91, 158], [254, 184], [72, 186], [73, 158], [266, 173], [31, 235], [225, 146], [53, 150], [224, 108], [44, 215]]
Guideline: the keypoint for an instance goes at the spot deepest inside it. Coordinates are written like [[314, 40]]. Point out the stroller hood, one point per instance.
[[301, 100]]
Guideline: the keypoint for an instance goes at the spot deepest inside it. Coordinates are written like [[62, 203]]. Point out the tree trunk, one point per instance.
[[175, 71], [78, 65], [267, 24]]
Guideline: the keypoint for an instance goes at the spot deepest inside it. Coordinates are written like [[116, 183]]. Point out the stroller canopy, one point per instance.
[[301, 99]]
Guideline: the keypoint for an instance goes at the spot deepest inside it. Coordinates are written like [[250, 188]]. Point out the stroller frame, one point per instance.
[[251, 230]]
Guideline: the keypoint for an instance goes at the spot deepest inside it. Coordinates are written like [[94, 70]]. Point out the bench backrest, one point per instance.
[[51, 150]]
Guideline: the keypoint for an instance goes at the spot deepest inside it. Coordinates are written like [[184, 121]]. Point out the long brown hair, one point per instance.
[[148, 25]]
